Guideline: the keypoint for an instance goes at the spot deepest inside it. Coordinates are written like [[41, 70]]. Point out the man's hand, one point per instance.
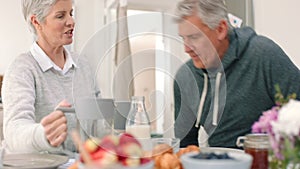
[[55, 125]]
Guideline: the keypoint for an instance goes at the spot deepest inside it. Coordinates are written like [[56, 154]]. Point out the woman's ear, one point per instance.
[[222, 30], [35, 22]]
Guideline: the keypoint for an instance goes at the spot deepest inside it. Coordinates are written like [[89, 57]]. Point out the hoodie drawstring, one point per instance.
[[216, 99], [203, 96]]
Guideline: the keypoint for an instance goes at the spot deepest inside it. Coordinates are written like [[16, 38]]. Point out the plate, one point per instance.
[[33, 161], [220, 149]]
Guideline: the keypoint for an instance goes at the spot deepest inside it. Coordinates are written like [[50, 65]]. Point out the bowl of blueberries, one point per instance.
[[216, 160]]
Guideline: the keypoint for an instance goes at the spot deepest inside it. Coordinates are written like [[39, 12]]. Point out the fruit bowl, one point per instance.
[[148, 165], [113, 152], [237, 160]]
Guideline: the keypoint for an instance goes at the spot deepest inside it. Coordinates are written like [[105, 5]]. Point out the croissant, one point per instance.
[[162, 149], [164, 158], [190, 148], [167, 161]]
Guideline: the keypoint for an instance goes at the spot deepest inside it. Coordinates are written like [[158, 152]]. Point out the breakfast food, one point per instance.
[[190, 148], [162, 149], [212, 156], [164, 157], [114, 150], [126, 151], [167, 161]]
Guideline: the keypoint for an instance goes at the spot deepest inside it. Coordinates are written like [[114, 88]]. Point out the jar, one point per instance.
[[138, 123], [257, 145]]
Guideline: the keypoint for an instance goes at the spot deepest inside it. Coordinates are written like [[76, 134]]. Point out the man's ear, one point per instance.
[[35, 22], [222, 30]]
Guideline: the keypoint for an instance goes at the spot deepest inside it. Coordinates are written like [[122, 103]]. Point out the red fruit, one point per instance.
[[104, 158], [101, 153], [91, 145], [145, 160], [132, 150], [128, 138], [111, 138], [109, 142], [131, 162], [98, 154]]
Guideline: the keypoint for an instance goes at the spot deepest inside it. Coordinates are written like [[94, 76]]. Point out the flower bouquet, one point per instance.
[[282, 123]]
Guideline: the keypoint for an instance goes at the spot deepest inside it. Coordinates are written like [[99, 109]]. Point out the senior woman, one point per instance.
[[41, 79]]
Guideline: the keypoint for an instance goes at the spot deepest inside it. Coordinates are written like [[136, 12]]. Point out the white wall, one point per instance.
[[15, 37], [278, 20]]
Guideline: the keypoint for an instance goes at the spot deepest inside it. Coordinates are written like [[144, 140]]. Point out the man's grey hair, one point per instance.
[[211, 12], [39, 8]]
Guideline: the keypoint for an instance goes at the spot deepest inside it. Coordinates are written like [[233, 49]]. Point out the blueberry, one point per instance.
[[211, 156]]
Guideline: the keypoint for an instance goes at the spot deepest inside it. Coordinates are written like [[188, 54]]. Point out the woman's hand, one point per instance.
[[55, 125]]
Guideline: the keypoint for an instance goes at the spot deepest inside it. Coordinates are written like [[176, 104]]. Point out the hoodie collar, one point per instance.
[[239, 39]]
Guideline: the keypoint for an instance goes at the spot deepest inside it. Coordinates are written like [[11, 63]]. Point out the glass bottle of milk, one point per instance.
[[138, 123]]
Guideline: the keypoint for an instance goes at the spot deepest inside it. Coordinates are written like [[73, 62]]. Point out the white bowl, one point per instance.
[[240, 161], [221, 149]]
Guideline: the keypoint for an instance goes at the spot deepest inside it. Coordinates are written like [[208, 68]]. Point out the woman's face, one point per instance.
[[58, 26]]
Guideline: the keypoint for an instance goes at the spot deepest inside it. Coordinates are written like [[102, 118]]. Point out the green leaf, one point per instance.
[[280, 99]]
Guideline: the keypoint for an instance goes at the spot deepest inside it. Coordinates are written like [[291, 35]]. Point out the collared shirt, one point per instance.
[[46, 63]]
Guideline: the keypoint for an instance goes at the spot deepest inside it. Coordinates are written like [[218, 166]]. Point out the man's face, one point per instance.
[[200, 42]]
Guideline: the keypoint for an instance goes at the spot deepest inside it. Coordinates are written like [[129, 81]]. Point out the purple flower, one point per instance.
[[282, 124], [277, 146], [263, 125]]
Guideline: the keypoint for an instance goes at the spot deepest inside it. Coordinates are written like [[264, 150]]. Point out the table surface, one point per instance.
[[66, 165]]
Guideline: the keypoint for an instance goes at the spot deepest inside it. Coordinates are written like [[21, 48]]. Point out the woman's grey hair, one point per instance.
[[211, 12], [39, 8]]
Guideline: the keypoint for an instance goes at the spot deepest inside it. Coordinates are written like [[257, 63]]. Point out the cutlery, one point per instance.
[[66, 109]]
